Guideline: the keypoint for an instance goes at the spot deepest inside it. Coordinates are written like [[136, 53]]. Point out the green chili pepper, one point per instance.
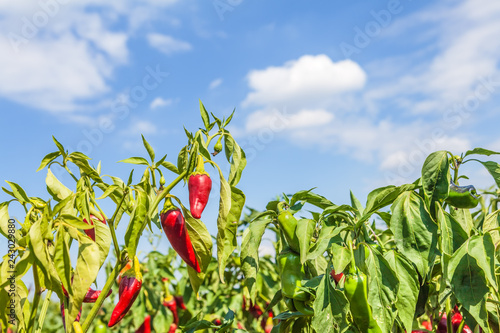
[[302, 307], [288, 224], [289, 304], [292, 274], [462, 196], [355, 289]]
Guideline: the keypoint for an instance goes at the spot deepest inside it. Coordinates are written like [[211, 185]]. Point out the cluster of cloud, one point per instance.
[[393, 111], [58, 55]]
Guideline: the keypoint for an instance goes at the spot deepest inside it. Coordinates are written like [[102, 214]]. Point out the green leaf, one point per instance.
[[491, 225], [75, 221], [415, 233], [157, 164], [204, 115], [436, 178], [170, 167], [356, 205], [383, 287], [62, 260], [103, 240], [202, 146], [330, 308], [228, 234], [59, 146], [222, 221], [464, 218], [55, 188], [382, 197], [252, 237], [135, 160], [238, 160], [341, 258], [481, 151], [150, 150], [228, 120], [4, 221], [467, 277], [110, 190], [452, 233], [47, 159], [137, 221], [494, 170], [87, 267], [18, 192], [202, 244], [304, 231], [327, 236], [408, 287], [311, 198]]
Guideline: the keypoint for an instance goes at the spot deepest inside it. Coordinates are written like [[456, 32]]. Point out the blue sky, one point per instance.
[[335, 95]]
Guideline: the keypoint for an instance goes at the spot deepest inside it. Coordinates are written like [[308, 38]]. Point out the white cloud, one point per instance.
[[278, 121], [215, 83], [141, 127], [303, 80], [61, 57], [167, 44], [160, 102]]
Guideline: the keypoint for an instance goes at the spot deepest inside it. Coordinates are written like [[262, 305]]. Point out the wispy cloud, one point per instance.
[[159, 102], [215, 83], [167, 44]]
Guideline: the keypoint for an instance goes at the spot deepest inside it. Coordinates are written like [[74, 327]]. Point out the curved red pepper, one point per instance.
[[90, 297], [173, 328], [199, 186], [336, 277], [174, 226], [170, 303], [146, 325], [130, 286], [91, 232], [179, 300], [456, 320]]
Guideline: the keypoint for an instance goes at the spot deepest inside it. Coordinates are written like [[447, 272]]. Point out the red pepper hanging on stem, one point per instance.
[[130, 286], [199, 186], [174, 226]]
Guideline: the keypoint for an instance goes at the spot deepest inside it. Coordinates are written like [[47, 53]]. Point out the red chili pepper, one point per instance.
[[199, 186], [173, 328], [336, 277], [170, 303], [130, 286], [174, 226], [146, 325], [91, 295], [267, 323], [91, 232], [456, 320], [217, 322], [442, 325], [427, 325], [179, 300], [240, 326]]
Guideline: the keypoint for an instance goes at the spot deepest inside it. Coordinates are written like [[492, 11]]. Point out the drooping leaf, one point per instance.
[[415, 233], [330, 308], [436, 178]]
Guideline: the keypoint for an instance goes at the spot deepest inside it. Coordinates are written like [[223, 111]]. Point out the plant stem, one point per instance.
[[107, 287], [163, 193], [111, 223], [36, 299], [43, 312]]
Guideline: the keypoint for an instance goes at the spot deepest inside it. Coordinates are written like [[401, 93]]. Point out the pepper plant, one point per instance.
[[412, 258], [70, 217]]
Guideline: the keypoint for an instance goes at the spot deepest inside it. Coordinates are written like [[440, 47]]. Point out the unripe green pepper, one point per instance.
[[288, 224], [302, 307], [292, 274], [289, 304], [356, 291], [462, 196]]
